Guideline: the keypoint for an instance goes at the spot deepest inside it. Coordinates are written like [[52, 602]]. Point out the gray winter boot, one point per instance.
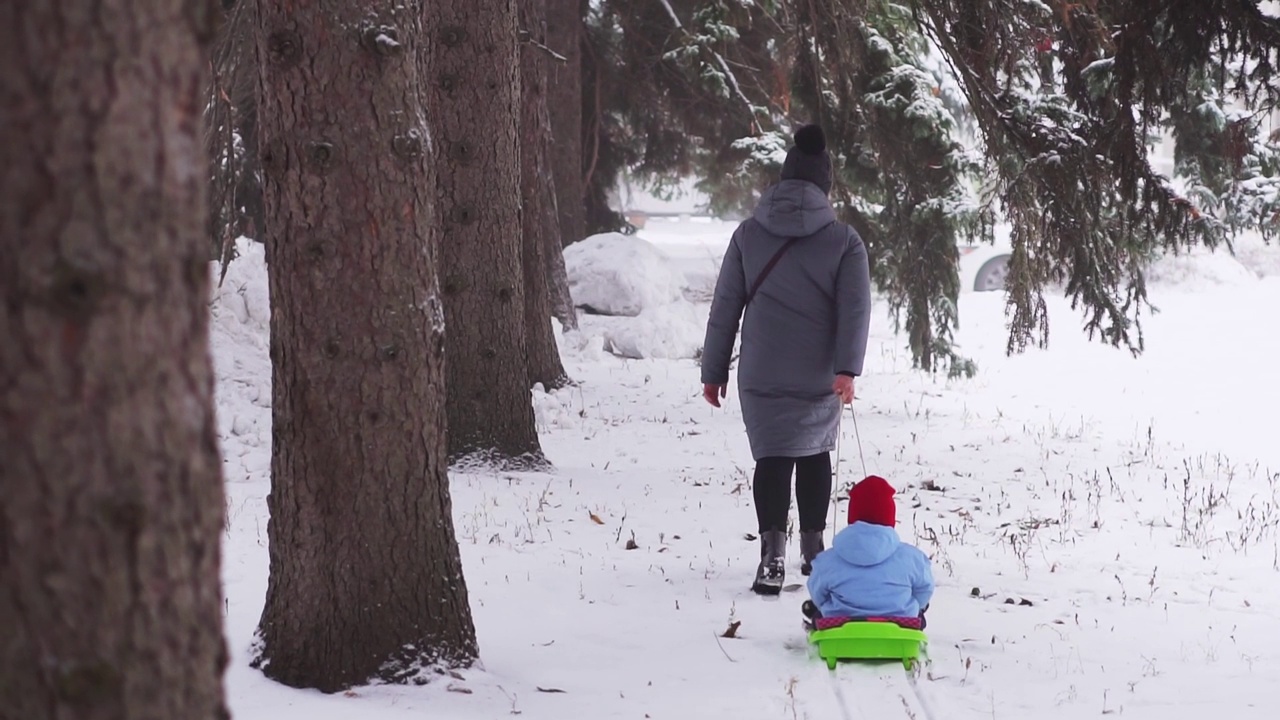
[[810, 545], [773, 557]]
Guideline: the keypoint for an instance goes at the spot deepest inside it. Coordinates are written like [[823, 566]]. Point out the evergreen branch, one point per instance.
[[724, 66]]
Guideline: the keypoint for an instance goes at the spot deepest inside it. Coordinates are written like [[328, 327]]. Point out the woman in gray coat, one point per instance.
[[804, 283]]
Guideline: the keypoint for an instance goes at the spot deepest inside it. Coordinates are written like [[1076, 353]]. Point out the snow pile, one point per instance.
[[671, 332], [1259, 256], [241, 304], [696, 247], [578, 345], [1200, 269], [616, 274], [635, 298], [240, 327], [554, 410]]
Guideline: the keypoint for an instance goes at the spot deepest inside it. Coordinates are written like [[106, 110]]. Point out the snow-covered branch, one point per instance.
[[724, 66]]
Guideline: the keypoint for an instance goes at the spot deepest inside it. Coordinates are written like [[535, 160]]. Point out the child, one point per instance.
[[869, 572]]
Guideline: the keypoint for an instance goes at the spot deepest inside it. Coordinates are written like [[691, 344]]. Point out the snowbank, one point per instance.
[[671, 332], [1200, 269], [636, 298], [1259, 256], [616, 274], [241, 304], [240, 328]]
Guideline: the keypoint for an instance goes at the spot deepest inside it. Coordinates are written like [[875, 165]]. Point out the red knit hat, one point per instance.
[[871, 501]]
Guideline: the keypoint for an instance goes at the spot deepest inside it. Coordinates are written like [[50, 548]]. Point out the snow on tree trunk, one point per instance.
[[111, 496], [365, 577], [473, 86], [540, 224]]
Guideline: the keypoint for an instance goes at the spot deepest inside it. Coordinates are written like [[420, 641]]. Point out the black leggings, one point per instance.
[[772, 490]]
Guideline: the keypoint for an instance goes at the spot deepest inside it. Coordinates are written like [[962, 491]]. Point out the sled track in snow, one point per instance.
[[878, 692]]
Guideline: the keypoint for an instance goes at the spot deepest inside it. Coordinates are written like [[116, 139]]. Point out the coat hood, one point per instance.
[[866, 545], [794, 208]]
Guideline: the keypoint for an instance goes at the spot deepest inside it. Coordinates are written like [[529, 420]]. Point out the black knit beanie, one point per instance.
[[809, 159]]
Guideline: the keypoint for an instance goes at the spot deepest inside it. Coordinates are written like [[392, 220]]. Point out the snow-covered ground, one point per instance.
[[1103, 529]]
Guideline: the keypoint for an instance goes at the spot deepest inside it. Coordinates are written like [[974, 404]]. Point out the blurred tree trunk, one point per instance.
[[564, 36], [539, 220], [366, 581], [111, 504], [473, 80]]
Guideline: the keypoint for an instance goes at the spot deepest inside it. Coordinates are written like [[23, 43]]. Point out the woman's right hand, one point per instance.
[[713, 393]]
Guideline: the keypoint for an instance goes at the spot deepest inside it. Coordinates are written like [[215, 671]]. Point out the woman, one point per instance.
[[803, 280]]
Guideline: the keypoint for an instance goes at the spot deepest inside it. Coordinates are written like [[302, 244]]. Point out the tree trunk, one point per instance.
[[564, 35], [474, 99], [111, 504], [598, 215], [562, 307], [539, 222], [365, 576]]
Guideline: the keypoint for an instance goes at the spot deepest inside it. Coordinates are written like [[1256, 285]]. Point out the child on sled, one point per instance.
[[868, 573]]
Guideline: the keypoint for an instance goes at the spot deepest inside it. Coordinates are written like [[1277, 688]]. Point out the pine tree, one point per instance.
[[1068, 98], [719, 97], [365, 578], [1064, 101], [543, 260], [565, 101], [1229, 168], [472, 81], [905, 174]]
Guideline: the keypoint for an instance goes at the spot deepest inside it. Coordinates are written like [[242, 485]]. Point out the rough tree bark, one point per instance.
[[564, 35], [562, 307], [473, 82], [111, 504], [538, 219], [365, 576]]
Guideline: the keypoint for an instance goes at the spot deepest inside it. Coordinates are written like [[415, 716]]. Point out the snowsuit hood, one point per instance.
[[794, 208], [866, 545]]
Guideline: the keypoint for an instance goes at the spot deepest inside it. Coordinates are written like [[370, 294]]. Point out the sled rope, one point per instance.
[[836, 490], [857, 435], [835, 480]]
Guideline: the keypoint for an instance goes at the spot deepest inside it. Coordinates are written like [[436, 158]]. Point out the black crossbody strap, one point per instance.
[[768, 268]]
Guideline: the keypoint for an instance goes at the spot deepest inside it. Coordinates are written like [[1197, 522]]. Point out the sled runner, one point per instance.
[[871, 639]]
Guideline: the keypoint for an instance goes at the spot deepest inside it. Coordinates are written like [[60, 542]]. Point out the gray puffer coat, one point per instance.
[[807, 323]]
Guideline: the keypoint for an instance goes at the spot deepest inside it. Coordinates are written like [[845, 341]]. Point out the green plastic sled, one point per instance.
[[868, 641]]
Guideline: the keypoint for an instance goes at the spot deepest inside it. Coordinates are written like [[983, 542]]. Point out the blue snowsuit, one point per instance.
[[869, 572]]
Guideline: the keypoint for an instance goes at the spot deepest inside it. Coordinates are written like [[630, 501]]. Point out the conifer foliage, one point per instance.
[[945, 115]]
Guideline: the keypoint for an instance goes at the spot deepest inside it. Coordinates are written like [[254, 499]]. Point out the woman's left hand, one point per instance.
[[843, 386]]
